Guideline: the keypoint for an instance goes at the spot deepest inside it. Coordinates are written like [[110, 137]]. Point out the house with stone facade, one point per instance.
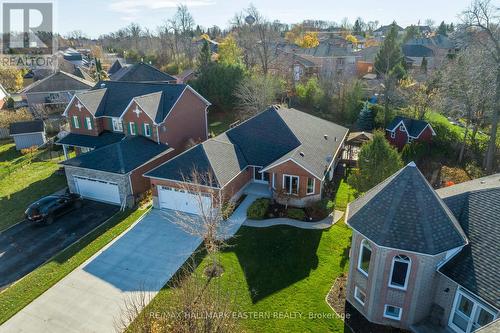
[[120, 130], [277, 151], [426, 260]]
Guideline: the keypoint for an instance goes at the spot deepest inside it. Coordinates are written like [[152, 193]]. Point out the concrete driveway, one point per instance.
[[91, 298], [25, 246]]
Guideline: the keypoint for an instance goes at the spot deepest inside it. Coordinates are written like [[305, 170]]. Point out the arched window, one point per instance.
[[365, 254], [400, 272]]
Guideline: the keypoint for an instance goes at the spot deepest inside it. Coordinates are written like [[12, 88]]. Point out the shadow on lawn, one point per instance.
[[276, 257], [9, 154]]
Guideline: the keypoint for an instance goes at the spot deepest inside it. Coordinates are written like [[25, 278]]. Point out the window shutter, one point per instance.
[[111, 124], [74, 122], [85, 123], [135, 129]]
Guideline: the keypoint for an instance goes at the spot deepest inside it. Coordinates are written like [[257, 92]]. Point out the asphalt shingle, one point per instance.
[[24, 127], [91, 141], [141, 72]]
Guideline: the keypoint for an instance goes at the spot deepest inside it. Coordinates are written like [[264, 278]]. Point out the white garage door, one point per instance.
[[97, 189], [176, 199]]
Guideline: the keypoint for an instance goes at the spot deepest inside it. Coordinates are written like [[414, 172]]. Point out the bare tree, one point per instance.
[[484, 20], [256, 93]]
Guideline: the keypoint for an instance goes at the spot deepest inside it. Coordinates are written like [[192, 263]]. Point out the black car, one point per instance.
[[48, 208]]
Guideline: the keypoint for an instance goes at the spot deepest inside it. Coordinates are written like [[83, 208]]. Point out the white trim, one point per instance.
[[407, 277], [173, 105], [179, 181], [449, 255], [118, 121], [76, 124], [65, 113], [334, 157], [126, 108], [393, 134], [291, 177], [314, 186], [197, 94], [428, 125], [147, 128], [288, 160], [356, 290], [390, 316], [131, 132], [88, 123], [360, 256], [273, 184], [26, 133]]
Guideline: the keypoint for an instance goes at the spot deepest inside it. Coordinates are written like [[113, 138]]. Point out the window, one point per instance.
[[291, 184], [359, 295], [88, 123], [402, 128], [400, 272], [147, 130], [117, 125], [469, 314], [365, 254], [311, 183], [76, 122], [393, 135], [392, 312], [131, 127]]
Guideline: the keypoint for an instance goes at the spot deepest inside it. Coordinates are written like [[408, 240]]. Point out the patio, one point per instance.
[[260, 190]]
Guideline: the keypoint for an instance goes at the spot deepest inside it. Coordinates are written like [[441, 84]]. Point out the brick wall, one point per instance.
[[82, 114], [139, 182], [139, 120]]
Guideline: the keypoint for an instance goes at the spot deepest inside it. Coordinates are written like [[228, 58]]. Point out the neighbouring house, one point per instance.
[[141, 72], [402, 131], [365, 60], [56, 90], [120, 130], [279, 149], [436, 50], [293, 67], [353, 145], [384, 30], [115, 67], [415, 54], [426, 260], [28, 134], [186, 76]]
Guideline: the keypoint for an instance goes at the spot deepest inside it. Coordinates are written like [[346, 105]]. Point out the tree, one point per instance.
[[484, 16], [411, 32], [205, 56], [352, 39], [442, 29], [366, 118], [229, 52], [419, 96], [389, 65], [11, 78], [357, 28], [310, 93], [308, 40], [377, 160], [257, 92]]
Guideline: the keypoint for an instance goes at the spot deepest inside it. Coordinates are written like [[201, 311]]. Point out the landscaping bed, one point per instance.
[[263, 208]]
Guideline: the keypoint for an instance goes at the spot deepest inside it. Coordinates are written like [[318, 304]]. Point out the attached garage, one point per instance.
[[97, 189], [177, 199]]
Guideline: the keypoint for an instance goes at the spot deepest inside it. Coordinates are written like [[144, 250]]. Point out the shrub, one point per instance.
[[296, 214], [258, 209], [319, 209], [228, 209]]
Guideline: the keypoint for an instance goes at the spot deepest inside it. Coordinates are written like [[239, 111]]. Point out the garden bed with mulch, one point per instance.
[[264, 209]]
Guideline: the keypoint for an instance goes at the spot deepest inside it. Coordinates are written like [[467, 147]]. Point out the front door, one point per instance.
[[468, 314], [260, 177]]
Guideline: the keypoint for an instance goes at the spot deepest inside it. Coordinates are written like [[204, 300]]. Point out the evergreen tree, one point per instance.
[[377, 160], [442, 29], [357, 29], [205, 56], [389, 57], [366, 118]]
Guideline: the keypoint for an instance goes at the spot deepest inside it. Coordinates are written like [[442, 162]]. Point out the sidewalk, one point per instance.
[[323, 224]]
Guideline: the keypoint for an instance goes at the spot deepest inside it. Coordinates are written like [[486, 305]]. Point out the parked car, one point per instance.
[[48, 208]]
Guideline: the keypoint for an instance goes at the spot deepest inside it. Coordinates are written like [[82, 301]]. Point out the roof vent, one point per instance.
[[301, 154], [483, 182], [103, 85], [335, 139], [325, 136]]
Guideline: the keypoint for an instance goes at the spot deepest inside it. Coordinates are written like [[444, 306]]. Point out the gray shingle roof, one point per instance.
[[476, 266], [121, 157], [24, 127], [91, 141], [110, 98], [59, 81], [413, 126], [117, 65], [404, 212], [141, 72], [417, 51], [268, 138]]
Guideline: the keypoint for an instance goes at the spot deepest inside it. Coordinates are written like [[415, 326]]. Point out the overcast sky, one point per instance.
[[95, 17]]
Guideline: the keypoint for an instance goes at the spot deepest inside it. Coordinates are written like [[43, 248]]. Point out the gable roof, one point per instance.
[[272, 136], [120, 157], [25, 127], [59, 81], [117, 65], [111, 98], [417, 51], [477, 208], [414, 127], [404, 212], [141, 72]]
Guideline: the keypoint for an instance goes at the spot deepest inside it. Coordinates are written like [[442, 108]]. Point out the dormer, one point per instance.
[[81, 112]]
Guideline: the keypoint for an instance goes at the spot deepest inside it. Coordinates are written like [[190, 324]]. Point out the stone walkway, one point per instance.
[[323, 224]]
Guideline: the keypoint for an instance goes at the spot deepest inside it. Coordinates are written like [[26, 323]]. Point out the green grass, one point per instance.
[[34, 284], [22, 182], [219, 122], [281, 270], [345, 194]]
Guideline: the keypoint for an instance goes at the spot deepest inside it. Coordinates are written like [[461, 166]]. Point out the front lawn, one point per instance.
[[22, 181], [280, 277], [20, 294], [345, 194]]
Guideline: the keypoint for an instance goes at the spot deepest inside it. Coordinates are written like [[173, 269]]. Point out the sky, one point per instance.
[[96, 17]]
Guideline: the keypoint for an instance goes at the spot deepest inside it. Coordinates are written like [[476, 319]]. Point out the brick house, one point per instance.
[[120, 130], [277, 149], [426, 260], [402, 131], [140, 72]]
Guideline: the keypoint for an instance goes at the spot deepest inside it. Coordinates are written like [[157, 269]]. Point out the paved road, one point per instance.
[[91, 298], [25, 246]]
